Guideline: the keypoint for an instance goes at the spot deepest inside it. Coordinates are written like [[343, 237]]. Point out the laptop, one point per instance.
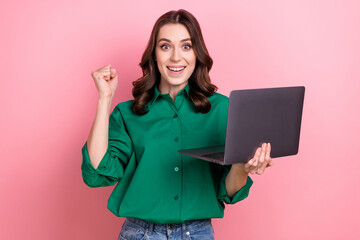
[[257, 116]]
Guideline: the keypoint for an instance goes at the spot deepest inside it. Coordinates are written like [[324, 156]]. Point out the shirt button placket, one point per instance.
[[177, 127], [176, 138]]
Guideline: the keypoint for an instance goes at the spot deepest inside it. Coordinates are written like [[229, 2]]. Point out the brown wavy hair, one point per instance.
[[199, 82]]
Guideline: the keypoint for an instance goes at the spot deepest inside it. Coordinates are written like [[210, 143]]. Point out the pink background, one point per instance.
[[48, 103]]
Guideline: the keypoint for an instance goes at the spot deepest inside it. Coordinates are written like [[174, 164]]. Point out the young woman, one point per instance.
[[162, 193]]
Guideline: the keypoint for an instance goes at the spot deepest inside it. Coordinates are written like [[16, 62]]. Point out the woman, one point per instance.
[[161, 192]]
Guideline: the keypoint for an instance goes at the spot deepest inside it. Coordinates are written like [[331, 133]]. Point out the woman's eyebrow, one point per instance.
[[167, 40]]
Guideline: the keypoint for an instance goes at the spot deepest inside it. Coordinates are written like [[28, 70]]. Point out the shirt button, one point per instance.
[[176, 139], [175, 115], [176, 169], [176, 197]]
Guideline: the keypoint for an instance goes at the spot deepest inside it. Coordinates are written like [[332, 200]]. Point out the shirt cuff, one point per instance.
[[102, 175], [86, 164], [238, 196]]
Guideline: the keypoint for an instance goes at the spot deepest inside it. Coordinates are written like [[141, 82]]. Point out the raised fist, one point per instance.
[[106, 81]]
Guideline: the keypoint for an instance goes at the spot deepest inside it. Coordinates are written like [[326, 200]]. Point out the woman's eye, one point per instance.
[[164, 46], [187, 46]]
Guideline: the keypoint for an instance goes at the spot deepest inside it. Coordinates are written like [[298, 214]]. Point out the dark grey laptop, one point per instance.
[[258, 116]]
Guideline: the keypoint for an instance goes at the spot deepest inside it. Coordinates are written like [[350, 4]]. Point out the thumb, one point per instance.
[[112, 72]]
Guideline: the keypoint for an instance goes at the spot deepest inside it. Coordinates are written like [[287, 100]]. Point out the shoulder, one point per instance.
[[124, 107], [218, 99]]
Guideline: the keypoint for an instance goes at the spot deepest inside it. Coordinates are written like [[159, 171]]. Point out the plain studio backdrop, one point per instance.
[[48, 103]]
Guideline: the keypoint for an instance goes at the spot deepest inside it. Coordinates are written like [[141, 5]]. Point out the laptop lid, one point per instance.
[[263, 115]]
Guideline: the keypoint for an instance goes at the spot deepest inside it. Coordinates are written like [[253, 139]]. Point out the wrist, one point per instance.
[[235, 179], [105, 98], [239, 168], [104, 104]]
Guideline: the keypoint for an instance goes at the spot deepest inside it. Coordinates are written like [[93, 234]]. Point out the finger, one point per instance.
[[249, 163], [105, 68], [106, 74], [256, 157], [112, 73], [255, 162], [262, 164], [267, 159], [262, 161], [271, 163], [100, 75], [268, 150], [262, 155], [253, 170], [102, 72], [113, 76]]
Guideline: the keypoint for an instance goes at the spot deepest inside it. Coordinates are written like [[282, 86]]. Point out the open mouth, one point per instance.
[[176, 69]]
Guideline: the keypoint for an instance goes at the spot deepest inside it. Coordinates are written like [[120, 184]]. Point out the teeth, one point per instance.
[[176, 69]]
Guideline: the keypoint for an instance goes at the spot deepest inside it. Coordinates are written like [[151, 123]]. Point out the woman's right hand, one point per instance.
[[106, 81]]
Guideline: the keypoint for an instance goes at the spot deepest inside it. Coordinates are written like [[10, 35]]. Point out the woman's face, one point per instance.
[[175, 56]]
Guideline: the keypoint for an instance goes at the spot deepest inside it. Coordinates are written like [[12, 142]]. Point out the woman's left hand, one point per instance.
[[237, 177], [259, 162]]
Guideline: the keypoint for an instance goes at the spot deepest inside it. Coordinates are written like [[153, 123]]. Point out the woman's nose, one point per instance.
[[175, 55]]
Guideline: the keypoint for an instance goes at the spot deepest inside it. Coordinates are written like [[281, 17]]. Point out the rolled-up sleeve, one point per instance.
[[112, 166], [239, 195]]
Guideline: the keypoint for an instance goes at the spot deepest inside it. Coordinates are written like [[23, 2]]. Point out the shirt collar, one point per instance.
[[184, 91]]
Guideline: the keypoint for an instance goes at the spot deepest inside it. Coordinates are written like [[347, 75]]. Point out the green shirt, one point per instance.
[[154, 181]]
